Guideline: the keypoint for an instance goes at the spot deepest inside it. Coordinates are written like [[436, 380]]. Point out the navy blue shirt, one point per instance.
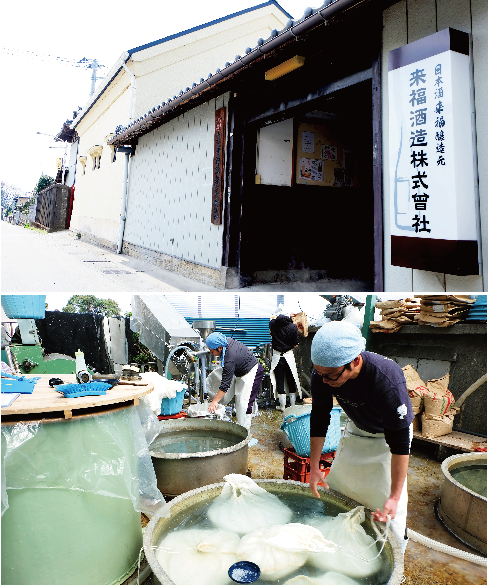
[[376, 400], [238, 361], [284, 333]]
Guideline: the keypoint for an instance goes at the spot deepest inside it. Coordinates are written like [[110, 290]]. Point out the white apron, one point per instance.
[[290, 360], [361, 470], [243, 388]]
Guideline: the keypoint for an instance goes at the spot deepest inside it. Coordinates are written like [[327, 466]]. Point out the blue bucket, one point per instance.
[[297, 428], [174, 405]]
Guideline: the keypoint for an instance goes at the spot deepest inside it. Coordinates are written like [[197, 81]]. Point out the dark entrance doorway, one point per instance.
[[307, 205]]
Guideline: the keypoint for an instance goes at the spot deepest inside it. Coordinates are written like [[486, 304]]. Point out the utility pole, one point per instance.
[[83, 63], [94, 66]]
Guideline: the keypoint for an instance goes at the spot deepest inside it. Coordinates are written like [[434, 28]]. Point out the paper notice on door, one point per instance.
[[311, 169], [308, 140]]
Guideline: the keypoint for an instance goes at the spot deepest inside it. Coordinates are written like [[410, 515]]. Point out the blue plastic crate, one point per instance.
[[24, 306], [478, 311], [297, 429], [173, 405]]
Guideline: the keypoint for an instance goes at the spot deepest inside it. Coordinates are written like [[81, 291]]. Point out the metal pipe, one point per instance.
[[12, 361], [187, 349], [203, 361], [123, 209]]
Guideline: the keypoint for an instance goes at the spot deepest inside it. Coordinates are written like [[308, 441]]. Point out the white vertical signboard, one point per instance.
[[434, 212]]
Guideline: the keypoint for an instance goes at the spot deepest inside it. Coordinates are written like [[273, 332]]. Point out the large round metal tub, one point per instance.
[[460, 509], [186, 503], [178, 473]]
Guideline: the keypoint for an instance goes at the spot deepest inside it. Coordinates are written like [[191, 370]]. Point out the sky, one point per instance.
[[311, 303], [38, 95]]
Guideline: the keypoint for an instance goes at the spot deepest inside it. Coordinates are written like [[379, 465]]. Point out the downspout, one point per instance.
[[123, 210]]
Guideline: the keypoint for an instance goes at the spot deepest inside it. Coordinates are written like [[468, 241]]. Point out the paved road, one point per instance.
[[58, 262], [34, 262]]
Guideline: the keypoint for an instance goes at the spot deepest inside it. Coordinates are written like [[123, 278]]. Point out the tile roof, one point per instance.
[[293, 28], [127, 54]]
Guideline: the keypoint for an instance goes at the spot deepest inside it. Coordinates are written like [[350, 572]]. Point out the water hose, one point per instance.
[[450, 550], [470, 390]]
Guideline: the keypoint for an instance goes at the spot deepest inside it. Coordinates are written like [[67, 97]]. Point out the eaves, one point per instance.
[[216, 83]]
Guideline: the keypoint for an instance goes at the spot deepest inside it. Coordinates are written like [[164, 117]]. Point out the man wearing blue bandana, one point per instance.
[[236, 360], [371, 462]]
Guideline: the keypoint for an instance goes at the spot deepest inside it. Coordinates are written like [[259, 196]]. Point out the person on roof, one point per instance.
[[239, 361], [371, 462], [284, 338]]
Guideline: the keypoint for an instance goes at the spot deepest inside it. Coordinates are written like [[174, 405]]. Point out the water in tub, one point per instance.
[[196, 551], [193, 442], [471, 476]]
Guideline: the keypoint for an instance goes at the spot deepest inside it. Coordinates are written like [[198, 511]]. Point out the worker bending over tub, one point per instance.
[[371, 462], [236, 360]]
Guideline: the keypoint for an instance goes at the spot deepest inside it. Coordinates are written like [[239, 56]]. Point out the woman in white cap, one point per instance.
[[371, 462], [239, 361]]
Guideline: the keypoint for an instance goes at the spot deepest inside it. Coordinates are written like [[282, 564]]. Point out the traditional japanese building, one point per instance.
[[140, 78], [345, 145]]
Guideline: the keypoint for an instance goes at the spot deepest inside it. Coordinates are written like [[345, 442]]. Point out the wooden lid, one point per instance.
[[45, 399]]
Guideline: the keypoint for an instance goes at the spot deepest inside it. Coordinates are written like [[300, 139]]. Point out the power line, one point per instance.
[[83, 63]]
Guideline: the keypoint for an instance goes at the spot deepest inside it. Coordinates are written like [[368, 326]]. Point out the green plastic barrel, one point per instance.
[[66, 535]]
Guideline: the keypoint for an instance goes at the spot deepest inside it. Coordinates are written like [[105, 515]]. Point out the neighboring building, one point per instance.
[[141, 77], [244, 179]]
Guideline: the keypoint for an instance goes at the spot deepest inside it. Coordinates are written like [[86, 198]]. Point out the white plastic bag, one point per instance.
[[163, 388], [327, 579], [280, 550], [243, 506], [198, 410], [346, 531], [198, 556]]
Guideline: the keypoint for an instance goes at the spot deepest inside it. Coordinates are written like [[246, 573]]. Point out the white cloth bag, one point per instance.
[[280, 550], [290, 360], [361, 471], [243, 506], [198, 556]]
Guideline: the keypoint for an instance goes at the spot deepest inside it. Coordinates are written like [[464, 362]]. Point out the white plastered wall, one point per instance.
[[164, 70], [161, 71], [405, 22], [96, 208], [170, 189]]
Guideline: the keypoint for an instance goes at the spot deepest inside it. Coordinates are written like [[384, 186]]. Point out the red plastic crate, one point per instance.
[[298, 468], [181, 414]]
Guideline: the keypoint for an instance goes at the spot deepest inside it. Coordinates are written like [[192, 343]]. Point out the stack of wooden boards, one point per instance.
[[433, 310], [443, 310], [395, 314]]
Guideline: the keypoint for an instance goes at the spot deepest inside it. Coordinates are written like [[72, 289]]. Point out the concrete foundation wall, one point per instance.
[[405, 22]]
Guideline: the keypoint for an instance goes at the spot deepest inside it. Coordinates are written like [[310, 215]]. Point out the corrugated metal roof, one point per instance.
[[250, 332]]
